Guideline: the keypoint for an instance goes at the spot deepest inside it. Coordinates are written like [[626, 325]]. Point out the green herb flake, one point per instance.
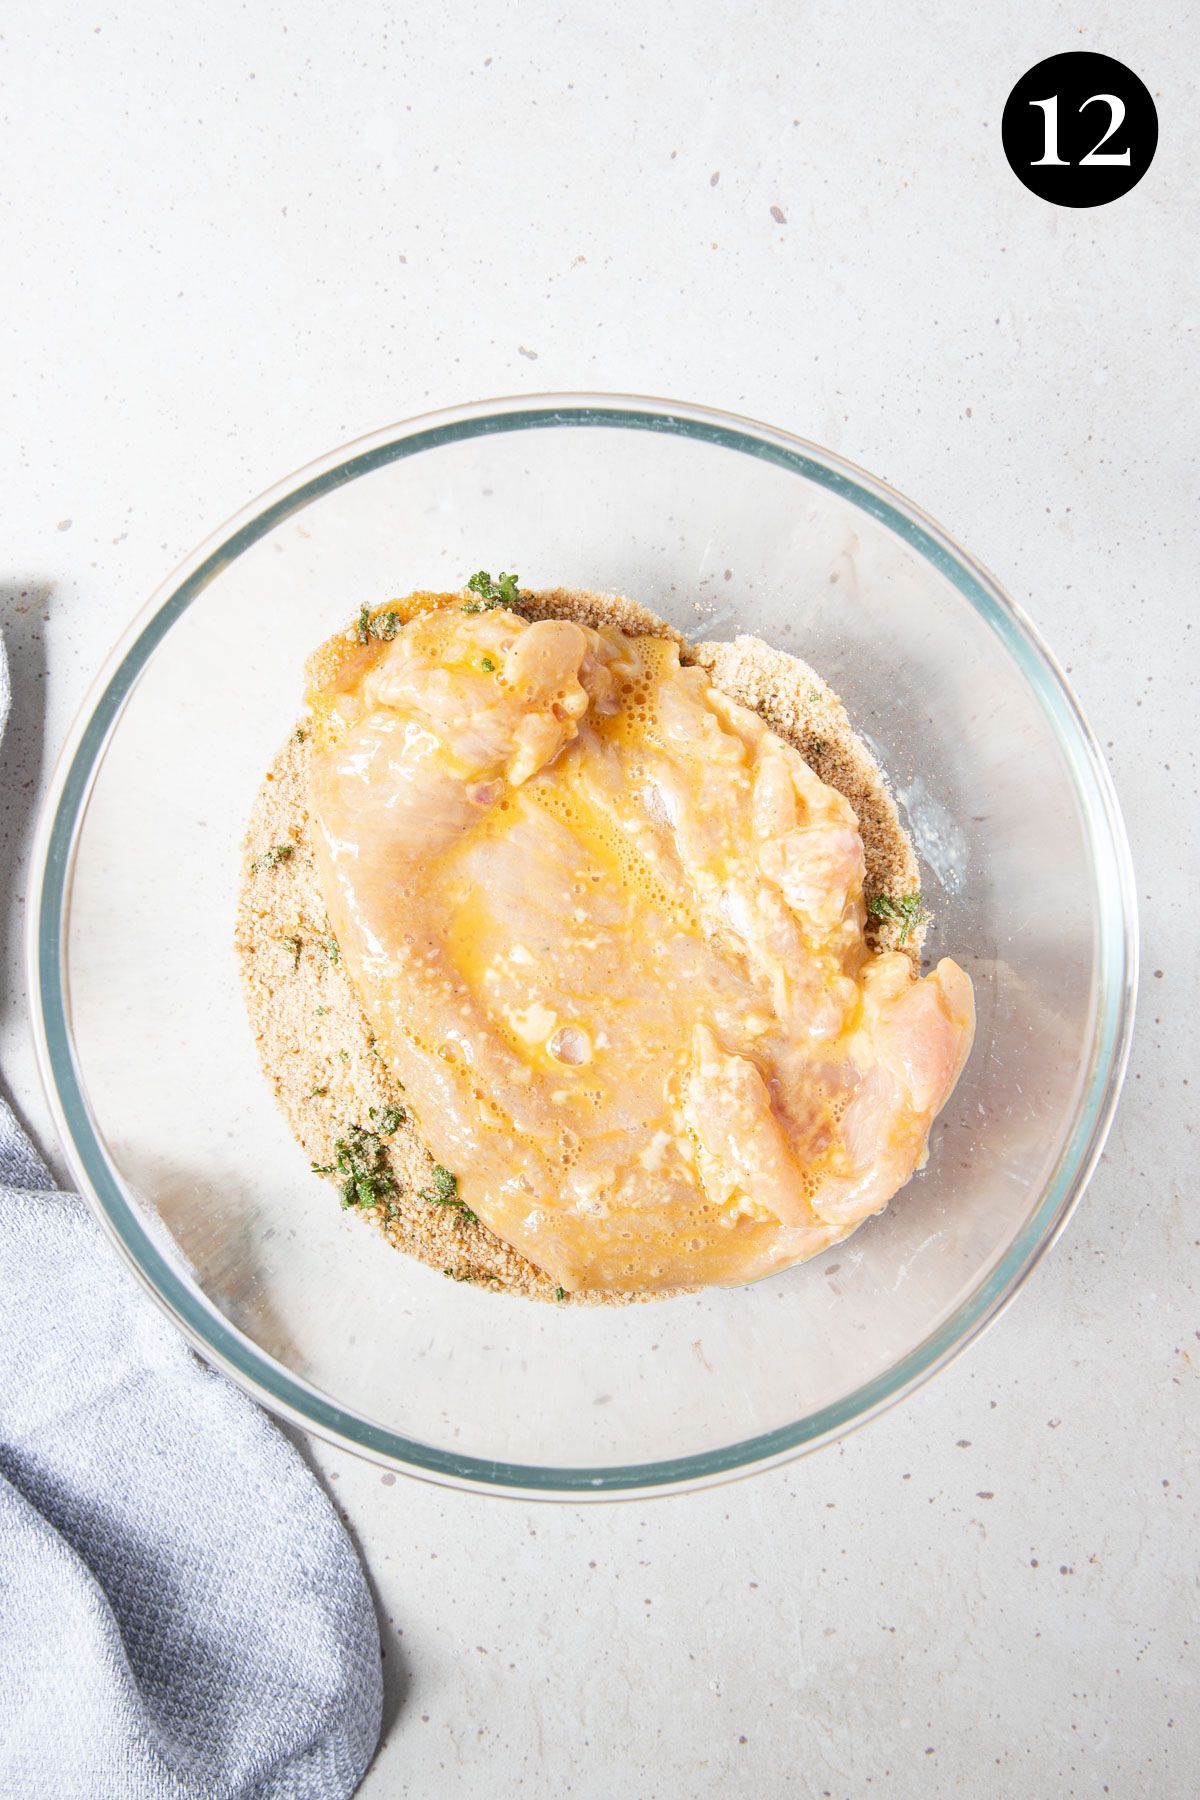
[[560, 1293], [488, 666], [387, 1119], [333, 950], [385, 625], [293, 947], [318, 1093], [908, 910], [345, 1055], [502, 592], [321, 1011], [270, 859], [361, 1162], [301, 734], [444, 1192]]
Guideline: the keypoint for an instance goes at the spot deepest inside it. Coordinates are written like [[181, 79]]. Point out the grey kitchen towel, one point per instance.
[[182, 1616]]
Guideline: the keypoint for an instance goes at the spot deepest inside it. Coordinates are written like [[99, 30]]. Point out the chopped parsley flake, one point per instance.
[[444, 1192], [814, 694], [301, 734], [488, 666], [292, 946], [321, 1011], [445, 1188], [560, 1293], [333, 951], [387, 1119], [318, 1093], [270, 859], [361, 1161], [502, 592], [908, 910], [383, 626], [345, 1055]]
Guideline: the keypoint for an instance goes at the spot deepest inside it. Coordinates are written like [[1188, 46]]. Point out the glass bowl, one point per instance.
[[722, 526]]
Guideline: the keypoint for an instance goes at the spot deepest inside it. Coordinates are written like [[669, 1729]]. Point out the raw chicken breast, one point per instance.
[[608, 929]]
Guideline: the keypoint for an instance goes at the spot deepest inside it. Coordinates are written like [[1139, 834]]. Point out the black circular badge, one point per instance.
[[1079, 129]]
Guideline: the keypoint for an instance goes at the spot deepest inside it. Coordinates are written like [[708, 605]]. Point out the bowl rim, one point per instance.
[[221, 1343]]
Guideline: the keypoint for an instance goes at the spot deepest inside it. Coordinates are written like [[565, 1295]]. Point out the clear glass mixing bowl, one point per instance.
[[722, 526]]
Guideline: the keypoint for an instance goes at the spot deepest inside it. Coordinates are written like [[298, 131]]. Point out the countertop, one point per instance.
[[236, 236]]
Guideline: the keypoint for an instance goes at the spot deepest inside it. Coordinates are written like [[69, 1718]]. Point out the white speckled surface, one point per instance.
[[234, 240]]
